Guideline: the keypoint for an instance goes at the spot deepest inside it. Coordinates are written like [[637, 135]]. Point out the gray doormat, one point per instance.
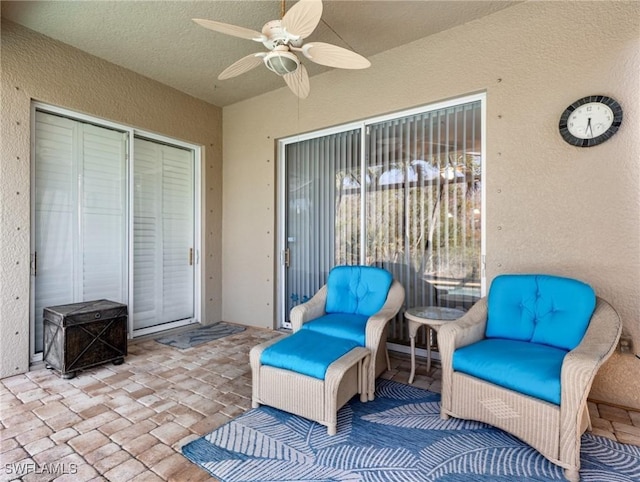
[[200, 335]]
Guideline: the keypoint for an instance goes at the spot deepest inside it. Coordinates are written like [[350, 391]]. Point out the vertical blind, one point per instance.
[[422, 195], [424, 205], [322, 221], [80, 216]]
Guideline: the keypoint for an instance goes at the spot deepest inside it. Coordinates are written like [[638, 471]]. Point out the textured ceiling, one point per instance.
[[158, 39]]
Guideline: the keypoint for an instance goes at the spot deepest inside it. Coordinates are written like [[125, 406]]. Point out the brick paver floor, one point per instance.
[[128, 422]]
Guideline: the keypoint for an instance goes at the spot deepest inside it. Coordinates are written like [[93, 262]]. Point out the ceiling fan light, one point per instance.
[[281, 62]]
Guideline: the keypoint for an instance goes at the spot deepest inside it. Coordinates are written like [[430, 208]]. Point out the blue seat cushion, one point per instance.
[[543, 309], [342, 325], [306, 352], [525, 367], [361, 290]]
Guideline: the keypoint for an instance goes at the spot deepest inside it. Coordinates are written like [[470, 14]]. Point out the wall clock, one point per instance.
[[590, 121]]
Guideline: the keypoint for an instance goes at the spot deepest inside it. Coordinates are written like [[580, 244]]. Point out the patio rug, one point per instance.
[[397, 437], [200, 335]]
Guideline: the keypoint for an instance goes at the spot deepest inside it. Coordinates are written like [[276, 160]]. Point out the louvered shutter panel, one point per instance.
[[147, 267], [103, 214], [79, 229], [177, 233], [55, 214], [163, 233]]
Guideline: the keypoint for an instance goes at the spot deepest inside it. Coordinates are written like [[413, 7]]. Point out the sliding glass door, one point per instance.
[[114, 217], [80, 214], [318, 210], [163, 233], [402, 192], [424, 205]]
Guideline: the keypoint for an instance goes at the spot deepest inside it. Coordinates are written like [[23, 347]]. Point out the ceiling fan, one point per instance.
[[283, 38]]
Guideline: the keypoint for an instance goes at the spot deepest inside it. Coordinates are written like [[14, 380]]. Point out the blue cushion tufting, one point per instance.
[[361, 290], [343, 325], [529, 368], [306, 352], [564, 314], [541, 308]]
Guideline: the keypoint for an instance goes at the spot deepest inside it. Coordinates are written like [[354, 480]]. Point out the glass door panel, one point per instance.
[[322, 211], [79, 235], [424, 205], [163, 234], [420, 186]]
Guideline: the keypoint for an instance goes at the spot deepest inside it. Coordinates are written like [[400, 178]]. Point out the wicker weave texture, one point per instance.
[[554, 431], [308, 397], [376, 330], [532, 420]]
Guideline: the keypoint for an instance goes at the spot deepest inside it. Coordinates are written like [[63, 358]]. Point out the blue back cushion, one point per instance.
[[543, 309], [361, 290]]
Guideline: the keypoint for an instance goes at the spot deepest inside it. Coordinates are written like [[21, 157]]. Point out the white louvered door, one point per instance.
[[79, 215], [163, 233], [105, 227]]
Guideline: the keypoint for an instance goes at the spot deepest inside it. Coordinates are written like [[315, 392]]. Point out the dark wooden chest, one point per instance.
[[82, 335]]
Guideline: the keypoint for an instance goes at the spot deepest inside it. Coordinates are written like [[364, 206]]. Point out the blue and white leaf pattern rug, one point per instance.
[[398, 437]]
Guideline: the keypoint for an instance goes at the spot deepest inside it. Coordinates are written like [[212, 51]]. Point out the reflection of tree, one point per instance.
[[455, 214], [428, 220]]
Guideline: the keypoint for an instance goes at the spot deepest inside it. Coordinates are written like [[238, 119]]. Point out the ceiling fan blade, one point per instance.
[[241, 66], [334, 56], [229, 29], [298, 82], [303, 18]]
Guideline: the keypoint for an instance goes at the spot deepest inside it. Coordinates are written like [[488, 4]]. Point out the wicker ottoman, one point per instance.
[[309, 396]]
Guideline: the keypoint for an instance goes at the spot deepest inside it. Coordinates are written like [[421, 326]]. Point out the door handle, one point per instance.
[[287, 257], [190, 256]]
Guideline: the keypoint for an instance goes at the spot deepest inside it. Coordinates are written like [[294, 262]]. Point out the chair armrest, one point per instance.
[[581, 364], [466, 330], [579, 368], [377, 323], [312, 309]]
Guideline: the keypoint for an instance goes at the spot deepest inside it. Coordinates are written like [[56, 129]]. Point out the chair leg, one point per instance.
[[572, 475], [386, 352], [370, 381]]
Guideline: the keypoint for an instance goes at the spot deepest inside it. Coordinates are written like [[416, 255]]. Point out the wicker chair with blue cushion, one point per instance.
[[356, 304], [523, 359]]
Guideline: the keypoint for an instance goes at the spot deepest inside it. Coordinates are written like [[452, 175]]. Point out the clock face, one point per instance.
[[590, 121]]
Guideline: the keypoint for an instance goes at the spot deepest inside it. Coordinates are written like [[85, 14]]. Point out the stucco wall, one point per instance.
[[550, 207], [36, 67]]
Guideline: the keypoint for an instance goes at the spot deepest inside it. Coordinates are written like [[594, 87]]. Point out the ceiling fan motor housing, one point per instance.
[[276, 35], [281, 61]]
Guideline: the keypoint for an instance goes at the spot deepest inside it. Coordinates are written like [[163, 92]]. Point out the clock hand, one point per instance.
[[588, 128]]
